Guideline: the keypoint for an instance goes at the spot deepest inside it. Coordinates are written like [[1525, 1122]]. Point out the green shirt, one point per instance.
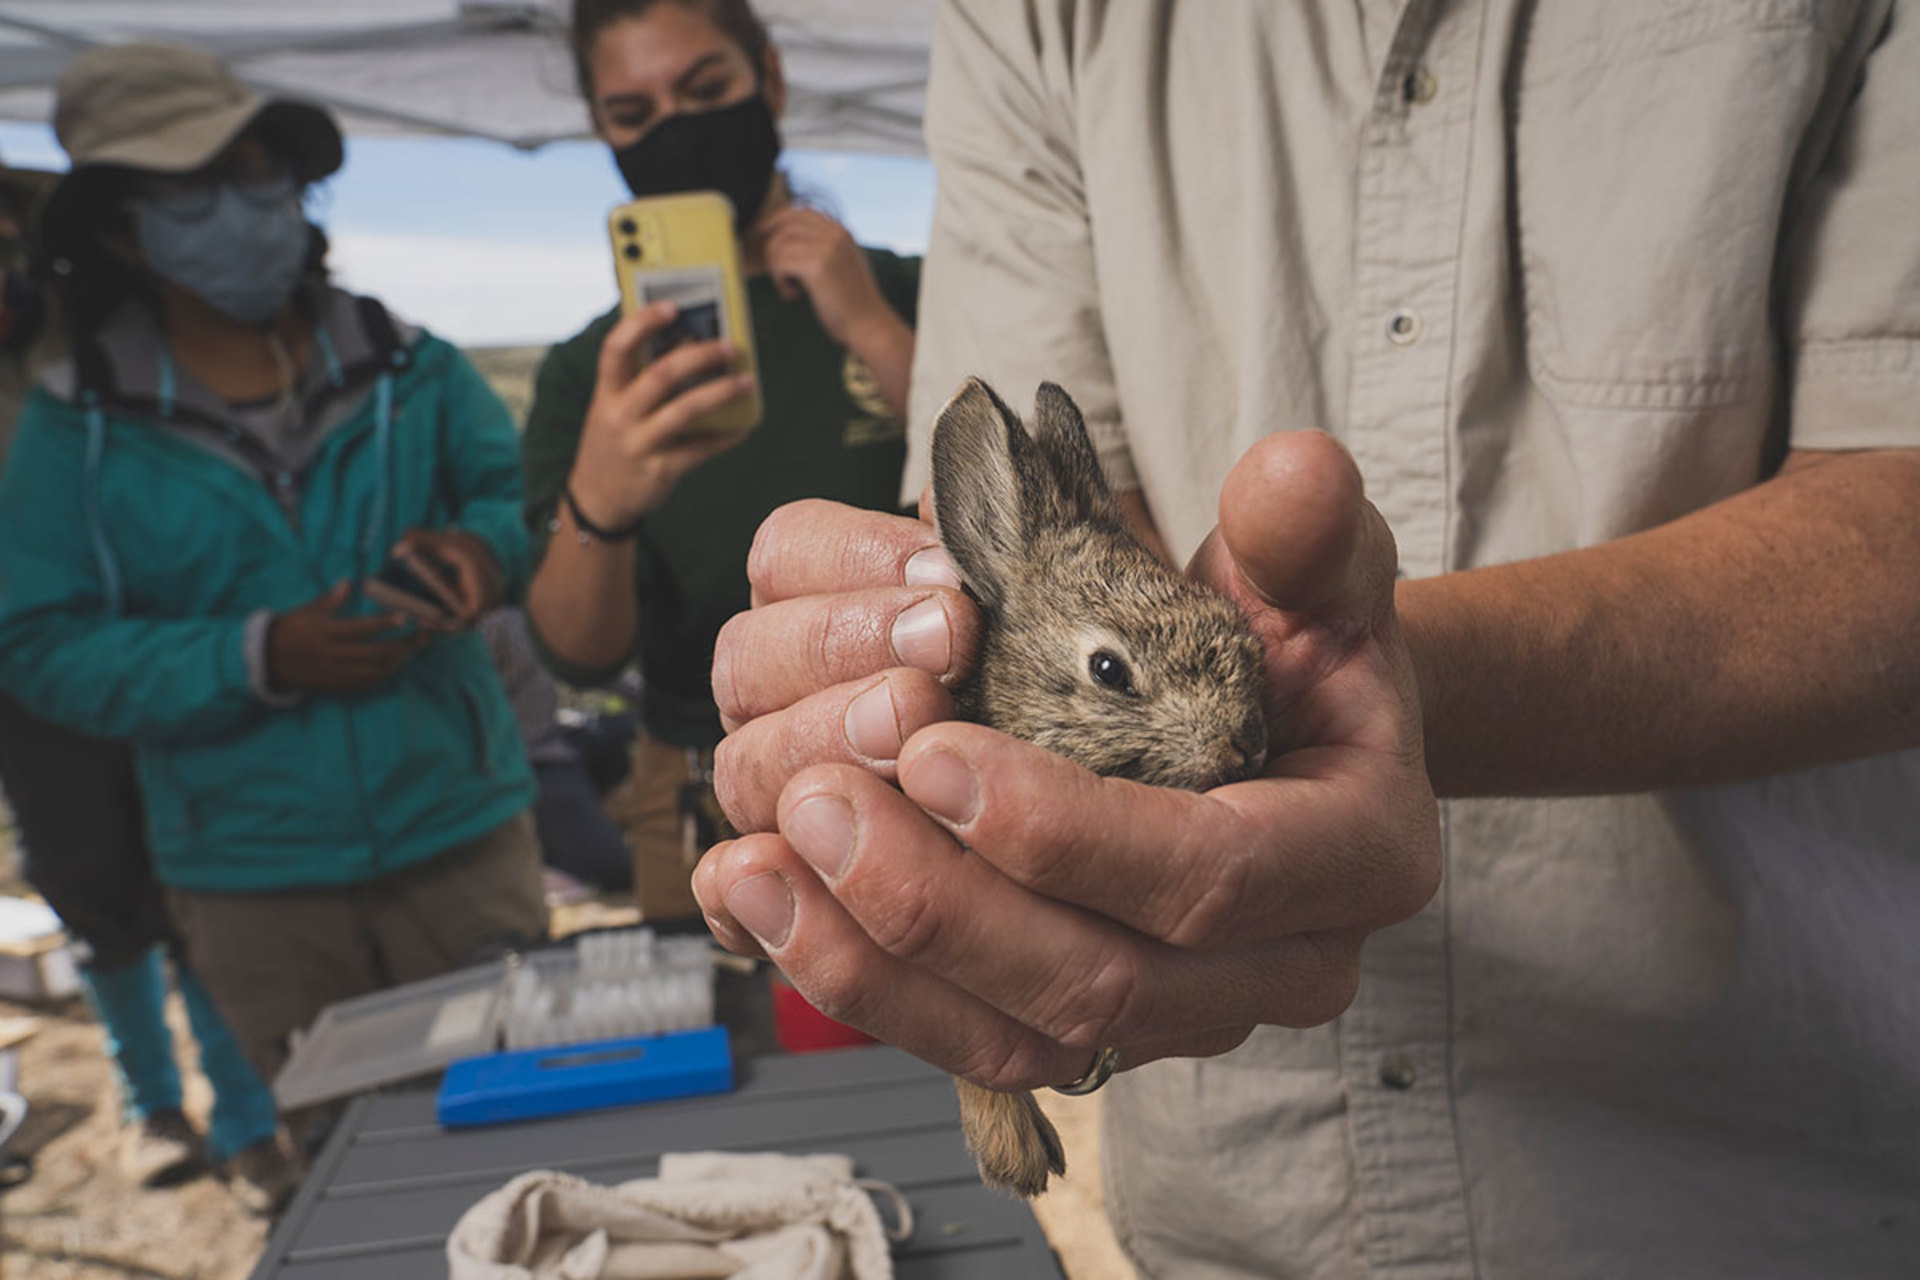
[[826, 433]]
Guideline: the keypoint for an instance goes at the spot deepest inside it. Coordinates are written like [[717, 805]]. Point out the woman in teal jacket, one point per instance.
[[336, 797]]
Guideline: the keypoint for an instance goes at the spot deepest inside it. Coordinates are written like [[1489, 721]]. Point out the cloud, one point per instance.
[[478, 292]]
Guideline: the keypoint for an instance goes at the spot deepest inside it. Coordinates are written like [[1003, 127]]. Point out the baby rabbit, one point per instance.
[[1092, 648]]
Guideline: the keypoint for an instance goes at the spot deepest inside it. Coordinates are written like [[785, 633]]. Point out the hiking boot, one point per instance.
[[264, 1176], [161, 1149]]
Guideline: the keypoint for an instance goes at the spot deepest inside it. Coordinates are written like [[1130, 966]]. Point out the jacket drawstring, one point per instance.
[[383, 462], [103, 555], [329, 356]]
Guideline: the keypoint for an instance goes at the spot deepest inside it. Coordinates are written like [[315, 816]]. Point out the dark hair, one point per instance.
[[735, 19]]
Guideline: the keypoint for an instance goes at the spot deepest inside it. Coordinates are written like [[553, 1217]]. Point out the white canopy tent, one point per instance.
[[495, 69]]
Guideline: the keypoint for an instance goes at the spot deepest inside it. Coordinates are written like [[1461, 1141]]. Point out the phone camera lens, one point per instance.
[[633, 252], [627, 227]]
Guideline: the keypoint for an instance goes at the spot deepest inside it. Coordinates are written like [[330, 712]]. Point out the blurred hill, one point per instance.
[[510, 371]]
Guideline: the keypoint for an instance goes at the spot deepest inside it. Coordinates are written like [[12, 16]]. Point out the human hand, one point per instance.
[[477, 584], [312, 649], [635, 444], [807, 251], [1005, 914]]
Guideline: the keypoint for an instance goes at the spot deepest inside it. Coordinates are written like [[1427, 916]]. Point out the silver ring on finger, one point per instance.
[[1098, 1073]]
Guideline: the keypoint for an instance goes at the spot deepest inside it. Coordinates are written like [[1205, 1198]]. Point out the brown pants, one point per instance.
[[274, 960], [654, 809]]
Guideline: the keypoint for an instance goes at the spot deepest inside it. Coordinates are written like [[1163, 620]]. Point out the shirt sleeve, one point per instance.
[[1853, 318], [1008, 291]]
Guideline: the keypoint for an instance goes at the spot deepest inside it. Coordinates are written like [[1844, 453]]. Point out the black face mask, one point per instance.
[[730, 150]]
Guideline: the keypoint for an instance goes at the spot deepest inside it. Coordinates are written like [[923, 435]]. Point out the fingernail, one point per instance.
[[932, 568], [763, 905], [728, 346], [871, 726], [921, 639], [744, 382], [944, 785], [821, 829]]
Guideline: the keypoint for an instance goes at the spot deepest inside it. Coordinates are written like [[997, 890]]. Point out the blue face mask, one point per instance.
[[238, 247]]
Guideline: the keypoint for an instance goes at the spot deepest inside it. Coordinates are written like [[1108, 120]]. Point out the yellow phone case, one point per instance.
[[682, 247]]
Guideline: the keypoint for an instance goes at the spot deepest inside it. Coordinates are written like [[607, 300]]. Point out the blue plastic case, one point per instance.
[[560, 1079]]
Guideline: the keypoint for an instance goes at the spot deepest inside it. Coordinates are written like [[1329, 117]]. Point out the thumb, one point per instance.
[[335, 597], [1302, 537]]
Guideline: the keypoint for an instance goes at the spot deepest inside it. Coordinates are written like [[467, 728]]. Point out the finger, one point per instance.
[[654, 388], [1338, 841], [370, 654], [1294, 518], [1312, 563], [816, 547], [334, 598], [466, 595], [342, 631], [425, 554], [1075, 977], [756, 887], [671, 421], [773, 656], [861, 723], [620, 352], [368, 666]]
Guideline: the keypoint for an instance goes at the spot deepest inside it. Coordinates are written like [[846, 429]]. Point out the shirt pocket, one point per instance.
[[1654, 150]]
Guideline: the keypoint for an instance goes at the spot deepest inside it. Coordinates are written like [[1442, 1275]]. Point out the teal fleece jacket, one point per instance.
[[132, 558]]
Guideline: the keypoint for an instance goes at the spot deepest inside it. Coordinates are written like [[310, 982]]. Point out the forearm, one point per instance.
[[1776, 630], [582, 600], [885, 345]]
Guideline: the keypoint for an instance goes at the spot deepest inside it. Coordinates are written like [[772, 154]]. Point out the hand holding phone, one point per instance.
[[443, 579], [418, 586], [681, 249]]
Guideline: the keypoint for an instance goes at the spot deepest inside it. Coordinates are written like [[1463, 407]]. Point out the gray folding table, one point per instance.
[[390, 1183]]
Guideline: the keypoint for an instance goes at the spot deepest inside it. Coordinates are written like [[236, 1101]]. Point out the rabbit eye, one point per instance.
[[1108, 669]]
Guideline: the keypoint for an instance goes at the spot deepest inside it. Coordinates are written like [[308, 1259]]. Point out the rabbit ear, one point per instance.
[[1061, 436], [978, 451]]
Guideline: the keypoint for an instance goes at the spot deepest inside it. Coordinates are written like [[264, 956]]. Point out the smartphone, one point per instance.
[[681, 248], [404, 584]]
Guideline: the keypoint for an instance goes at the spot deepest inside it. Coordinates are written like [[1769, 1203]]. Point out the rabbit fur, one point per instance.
[[1091, 647]]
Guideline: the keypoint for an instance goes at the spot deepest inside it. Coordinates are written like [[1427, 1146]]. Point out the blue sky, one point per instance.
[[489, 246]]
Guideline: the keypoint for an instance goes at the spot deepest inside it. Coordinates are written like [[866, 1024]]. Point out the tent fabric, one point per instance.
[[495, 69]]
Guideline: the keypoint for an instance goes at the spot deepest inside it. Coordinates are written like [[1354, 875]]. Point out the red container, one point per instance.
[[801, 1028]]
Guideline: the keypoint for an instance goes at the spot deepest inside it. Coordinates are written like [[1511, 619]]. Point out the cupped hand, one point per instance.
[[314, 649], [636, 442], [1005, 913], [808, 252]]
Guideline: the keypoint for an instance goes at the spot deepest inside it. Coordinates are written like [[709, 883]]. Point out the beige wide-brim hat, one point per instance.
[[161, 108]]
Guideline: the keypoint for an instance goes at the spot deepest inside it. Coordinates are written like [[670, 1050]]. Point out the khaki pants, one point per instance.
[[274, 960], [669, 816]]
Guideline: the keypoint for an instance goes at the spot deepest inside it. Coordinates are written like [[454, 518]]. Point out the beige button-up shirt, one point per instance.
[[1554, 271]]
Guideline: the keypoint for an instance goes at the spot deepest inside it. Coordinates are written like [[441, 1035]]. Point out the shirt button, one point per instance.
[[1397, 1071], [1419, 86], [1403, 327]]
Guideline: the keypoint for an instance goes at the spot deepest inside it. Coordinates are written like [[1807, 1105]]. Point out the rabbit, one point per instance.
[[1091, 647]]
